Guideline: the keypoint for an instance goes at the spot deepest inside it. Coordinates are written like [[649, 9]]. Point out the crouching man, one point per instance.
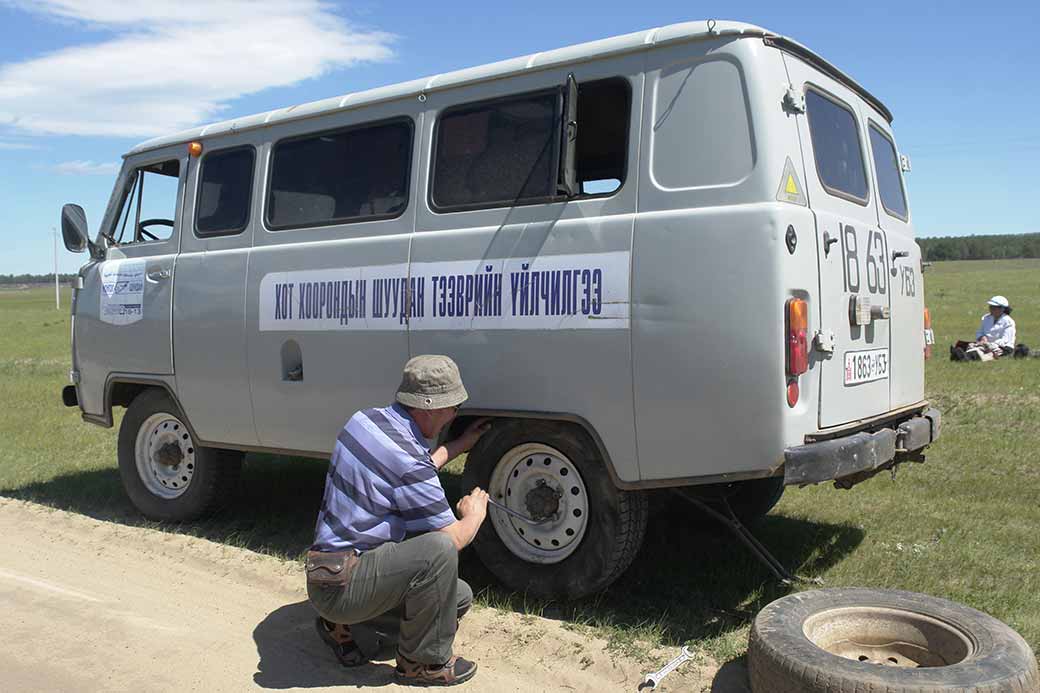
[[384, 564]]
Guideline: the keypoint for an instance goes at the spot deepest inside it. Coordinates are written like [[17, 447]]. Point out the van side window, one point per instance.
[[836, 147], [603, 116], [505, 152], [149, 209], [341, 176], [225, 190], [497, 153], [890, 183]]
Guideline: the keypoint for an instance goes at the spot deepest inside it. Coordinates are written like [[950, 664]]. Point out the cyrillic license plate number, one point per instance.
[[865, 366]]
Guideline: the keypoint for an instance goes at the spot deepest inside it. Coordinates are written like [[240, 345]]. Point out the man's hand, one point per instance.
[[472, 434], [475, 505]]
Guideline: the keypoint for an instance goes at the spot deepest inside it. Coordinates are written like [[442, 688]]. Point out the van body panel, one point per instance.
[[209, 315], [343, 370], [583, 372], [856, 264]]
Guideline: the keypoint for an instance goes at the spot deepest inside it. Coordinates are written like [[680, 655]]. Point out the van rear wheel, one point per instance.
[[588, 531], [167, 476]]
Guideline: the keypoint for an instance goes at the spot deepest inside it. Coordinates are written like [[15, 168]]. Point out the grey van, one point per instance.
[[681, 258]]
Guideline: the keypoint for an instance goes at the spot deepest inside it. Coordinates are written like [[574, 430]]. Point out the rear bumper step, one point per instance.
[[860, 455]]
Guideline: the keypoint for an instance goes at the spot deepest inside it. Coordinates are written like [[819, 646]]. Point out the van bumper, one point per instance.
[[857, 457]]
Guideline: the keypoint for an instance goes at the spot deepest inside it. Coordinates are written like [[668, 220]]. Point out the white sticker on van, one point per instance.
[[553, 292], [122, 291]]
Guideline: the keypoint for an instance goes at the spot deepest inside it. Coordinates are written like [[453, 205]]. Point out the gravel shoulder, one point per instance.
[[88, 605]]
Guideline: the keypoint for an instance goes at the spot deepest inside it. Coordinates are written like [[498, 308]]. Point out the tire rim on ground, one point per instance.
[[539, 481], [165, 456], [888, 637]]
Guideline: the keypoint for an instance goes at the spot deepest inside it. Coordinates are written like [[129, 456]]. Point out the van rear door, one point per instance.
[[853, 252], [906, 294]]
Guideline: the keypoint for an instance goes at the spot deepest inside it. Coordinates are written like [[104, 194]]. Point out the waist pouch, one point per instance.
[[330, 568]]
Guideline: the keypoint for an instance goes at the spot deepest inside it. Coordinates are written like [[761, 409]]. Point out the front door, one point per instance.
[[125, 327]]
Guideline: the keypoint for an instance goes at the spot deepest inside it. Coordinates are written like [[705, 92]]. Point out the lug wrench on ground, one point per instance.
[[653, 679]]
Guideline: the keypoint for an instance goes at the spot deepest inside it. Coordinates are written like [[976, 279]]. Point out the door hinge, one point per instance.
[[794, 100], [823, 341]]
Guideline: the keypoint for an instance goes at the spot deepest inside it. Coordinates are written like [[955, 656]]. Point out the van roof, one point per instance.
[[626, 43]]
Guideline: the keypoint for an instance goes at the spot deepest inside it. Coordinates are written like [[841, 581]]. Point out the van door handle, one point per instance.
[[828, 242], [159, 275], [896, 254]]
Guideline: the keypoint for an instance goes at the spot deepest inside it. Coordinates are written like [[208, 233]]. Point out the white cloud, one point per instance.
[[86, 168], [16, 145], [171, 64]]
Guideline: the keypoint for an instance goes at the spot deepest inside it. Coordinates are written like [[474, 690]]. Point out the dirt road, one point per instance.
[[90, 606]]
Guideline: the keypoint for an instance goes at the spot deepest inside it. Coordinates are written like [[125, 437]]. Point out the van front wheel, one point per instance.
[[586, 531], [167, 476]]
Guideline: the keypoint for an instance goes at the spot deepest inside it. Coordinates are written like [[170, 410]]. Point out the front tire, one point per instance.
[[167, 476], [553, 472]]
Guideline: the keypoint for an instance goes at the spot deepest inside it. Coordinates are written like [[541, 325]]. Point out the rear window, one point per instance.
[[342, 176], [224, 192], [890, 182], [836, 147]]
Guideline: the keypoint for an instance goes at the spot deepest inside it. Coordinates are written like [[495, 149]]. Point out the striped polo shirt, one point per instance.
[[382, 484]]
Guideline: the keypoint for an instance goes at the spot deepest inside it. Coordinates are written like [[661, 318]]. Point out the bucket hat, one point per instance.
[[998, 301], [431, 381]]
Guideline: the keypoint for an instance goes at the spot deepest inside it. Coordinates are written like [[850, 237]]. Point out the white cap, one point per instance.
[[998, 301]]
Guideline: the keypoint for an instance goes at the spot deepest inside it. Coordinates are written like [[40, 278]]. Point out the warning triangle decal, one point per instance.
[[791, 187]]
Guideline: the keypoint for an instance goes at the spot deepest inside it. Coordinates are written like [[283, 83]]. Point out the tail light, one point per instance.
[[797, 337], [929, 336]]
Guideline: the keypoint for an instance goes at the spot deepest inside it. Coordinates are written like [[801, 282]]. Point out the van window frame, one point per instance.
[[861, 201], [178, 211], [198, 197], [268, 189], [872, 125], [558, 90]]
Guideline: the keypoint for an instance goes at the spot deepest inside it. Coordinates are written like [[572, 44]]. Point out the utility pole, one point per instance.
[[57, 293]]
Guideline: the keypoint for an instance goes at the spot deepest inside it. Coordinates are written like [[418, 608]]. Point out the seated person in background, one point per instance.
[[994, 338]]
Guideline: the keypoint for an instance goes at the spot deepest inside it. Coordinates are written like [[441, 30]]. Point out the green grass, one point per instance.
[[963, 525]]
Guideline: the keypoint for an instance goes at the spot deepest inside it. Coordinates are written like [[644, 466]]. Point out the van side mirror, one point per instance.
[[74, 228]]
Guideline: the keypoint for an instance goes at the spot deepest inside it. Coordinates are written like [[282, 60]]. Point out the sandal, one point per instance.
[[337, 637], [455, 671]]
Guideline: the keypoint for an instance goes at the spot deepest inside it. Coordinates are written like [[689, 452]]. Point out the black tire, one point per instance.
[[616, 519], [754, 498], [985, 655], [214, 476]]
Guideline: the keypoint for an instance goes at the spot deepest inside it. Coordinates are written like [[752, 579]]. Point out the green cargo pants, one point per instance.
[[408, 592]]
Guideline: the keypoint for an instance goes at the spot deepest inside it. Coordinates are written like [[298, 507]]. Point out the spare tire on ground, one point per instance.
[[853, 639]]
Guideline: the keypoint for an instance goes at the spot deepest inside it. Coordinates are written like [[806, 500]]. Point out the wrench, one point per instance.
[[510, 511], [653, 679]]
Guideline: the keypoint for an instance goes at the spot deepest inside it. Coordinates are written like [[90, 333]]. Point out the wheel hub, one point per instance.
[[543, 501], [169, 455]]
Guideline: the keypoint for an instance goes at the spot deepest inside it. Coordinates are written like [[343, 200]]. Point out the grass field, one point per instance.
[[964, 525]]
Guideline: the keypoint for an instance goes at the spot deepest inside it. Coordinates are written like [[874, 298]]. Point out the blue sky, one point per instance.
[[82, 81]]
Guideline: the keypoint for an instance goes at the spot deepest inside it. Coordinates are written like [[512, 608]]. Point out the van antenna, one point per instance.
[[711, 26]]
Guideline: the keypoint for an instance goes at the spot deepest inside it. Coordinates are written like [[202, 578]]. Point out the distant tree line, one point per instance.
[[6, 279], [980, 247]]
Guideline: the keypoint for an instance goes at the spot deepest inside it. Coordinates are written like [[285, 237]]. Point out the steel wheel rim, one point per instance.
[[532, 473], [889, 637], [165, 456]]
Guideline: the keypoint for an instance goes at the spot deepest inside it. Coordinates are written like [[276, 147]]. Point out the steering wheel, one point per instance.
[[152, 222]]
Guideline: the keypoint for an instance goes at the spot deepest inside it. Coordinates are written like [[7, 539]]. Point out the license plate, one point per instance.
[[865, 366]]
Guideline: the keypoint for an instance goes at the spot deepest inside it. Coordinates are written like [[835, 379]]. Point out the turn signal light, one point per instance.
[[792, 393], [195, 148], [797, 336]]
